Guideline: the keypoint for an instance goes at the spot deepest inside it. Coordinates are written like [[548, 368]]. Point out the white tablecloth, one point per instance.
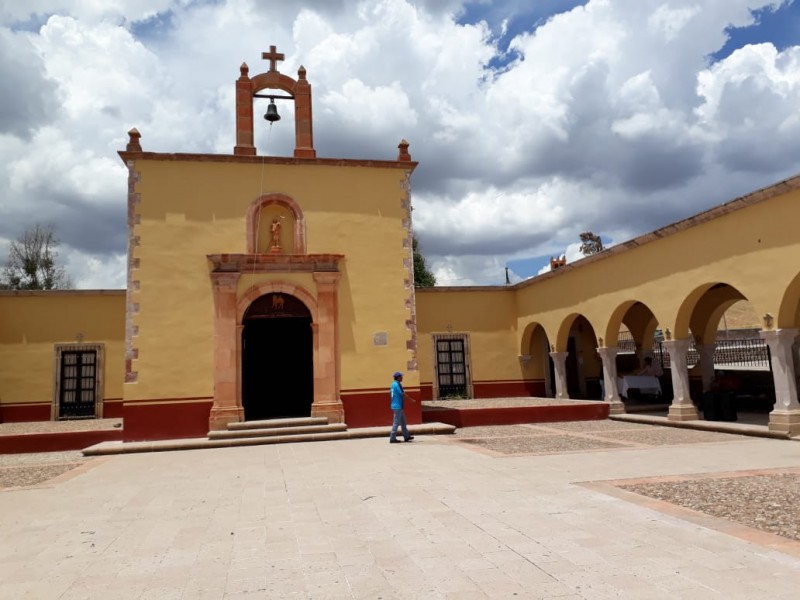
[[646, 384]]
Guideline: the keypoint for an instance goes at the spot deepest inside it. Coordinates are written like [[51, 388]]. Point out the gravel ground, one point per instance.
[[58, 426], [542, 444], [599, 425], [31, 469], [667, 436], [767, 502], [491, 431]]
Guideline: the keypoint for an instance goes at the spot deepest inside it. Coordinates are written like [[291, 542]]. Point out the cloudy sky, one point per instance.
[[533, 120]]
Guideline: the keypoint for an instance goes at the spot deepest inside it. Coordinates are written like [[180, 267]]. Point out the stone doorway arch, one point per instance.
[[277, 358]]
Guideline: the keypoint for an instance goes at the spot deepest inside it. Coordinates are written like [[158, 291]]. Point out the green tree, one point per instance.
[[422, 276], [591, 243], [32, 264]]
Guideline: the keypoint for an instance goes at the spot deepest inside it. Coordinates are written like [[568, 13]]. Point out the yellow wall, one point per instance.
[[487, 315], [31, 323], [189, 209]]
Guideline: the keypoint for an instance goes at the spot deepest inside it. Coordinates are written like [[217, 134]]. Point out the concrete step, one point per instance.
[[110, 448], [276, 431], [277, 423]]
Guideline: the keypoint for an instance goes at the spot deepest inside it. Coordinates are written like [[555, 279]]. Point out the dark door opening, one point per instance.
[[451, 367], [277, 365], [78, 384], [573, 377]]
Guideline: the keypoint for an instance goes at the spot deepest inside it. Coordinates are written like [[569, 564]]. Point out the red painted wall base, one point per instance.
[[522, 388], [56, 442], [465, 417], [166, 421], [24, 413], [373, 409]]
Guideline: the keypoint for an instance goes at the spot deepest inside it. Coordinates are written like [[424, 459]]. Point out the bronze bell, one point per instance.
[[272, 112]]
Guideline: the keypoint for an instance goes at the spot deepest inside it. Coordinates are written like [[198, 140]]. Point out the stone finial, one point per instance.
[[403, 155], [667, 334], [301, 73], [600, 342], [552, 347], [557, 263], [244, 71], [769, 321], [133, 141]]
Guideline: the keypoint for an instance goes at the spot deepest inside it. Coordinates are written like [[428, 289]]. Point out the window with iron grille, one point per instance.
[[452, 378], [78, 389]]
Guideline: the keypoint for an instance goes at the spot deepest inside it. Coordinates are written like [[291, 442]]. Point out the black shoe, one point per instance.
[[409, 438], [394, 441]]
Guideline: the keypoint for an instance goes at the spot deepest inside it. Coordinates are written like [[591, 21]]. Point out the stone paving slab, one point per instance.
[[366, 519]]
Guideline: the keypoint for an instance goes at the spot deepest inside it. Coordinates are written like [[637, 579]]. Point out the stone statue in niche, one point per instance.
[[275, 235]]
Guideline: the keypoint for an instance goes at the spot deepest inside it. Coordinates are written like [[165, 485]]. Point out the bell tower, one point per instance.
[[299, 90]]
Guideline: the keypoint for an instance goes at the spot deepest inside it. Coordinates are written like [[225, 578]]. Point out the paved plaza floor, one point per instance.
[[520, 512]]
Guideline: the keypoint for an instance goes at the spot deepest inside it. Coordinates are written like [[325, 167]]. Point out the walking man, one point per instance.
[[398, 395]]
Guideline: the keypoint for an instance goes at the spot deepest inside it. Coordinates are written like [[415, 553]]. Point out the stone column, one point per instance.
[[682, 407], [560, 367], [785, 417], [227, 406], [706, 352], [611, 396], [327, 402]]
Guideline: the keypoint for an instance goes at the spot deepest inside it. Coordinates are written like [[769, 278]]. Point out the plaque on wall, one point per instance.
[[380, 339]]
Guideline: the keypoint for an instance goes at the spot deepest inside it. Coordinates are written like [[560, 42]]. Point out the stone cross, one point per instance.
[[273, 56]]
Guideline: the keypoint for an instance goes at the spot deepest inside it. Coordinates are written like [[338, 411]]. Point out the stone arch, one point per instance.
[[683, 318], [614, 322], [789, 311], [701, 310], [535, 357], [253, 220], [271, 287], [577, 339]]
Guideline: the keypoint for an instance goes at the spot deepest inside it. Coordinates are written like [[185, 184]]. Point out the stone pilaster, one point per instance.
[[227, 406], [706, 352], [560, 367], [609, 356], [785, 417], [327, 402], [682, 407]]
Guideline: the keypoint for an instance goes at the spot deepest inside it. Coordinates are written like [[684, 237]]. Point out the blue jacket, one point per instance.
[[397, 394]]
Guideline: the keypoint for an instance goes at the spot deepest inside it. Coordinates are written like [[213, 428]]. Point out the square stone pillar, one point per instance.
[[682, 407], [327, 402], [785, 417], [227, 406], [611, 396], [560, 367]]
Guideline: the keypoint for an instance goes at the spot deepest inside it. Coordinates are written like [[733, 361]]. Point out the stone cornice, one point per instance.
[[268, 160], [43, 293], [274, 263]]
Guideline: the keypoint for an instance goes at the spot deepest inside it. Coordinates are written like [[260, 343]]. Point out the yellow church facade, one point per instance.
[[264, 287]]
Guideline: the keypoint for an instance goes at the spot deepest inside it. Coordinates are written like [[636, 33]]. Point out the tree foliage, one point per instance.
[[422, 276], [591, 243], [32, 264]]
